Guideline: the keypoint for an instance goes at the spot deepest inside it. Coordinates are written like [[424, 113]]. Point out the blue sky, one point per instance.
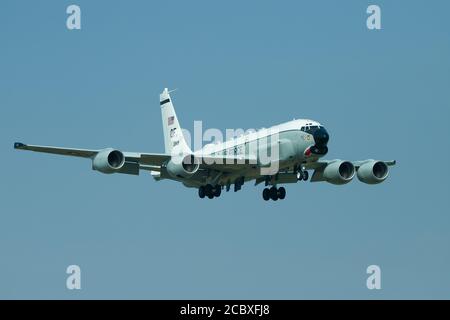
[[381, 94]]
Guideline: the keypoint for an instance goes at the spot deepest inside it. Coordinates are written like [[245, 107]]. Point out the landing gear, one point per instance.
[[281, 193], [209, 191], [217, 191], [305, 175], [238, 183], [274, 193], [266, 194], [201, 192], [302, 175]]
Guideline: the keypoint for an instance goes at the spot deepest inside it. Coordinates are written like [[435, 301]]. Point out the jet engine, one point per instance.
[[183, 167], [108, 161], [373, 172], [339, 172]]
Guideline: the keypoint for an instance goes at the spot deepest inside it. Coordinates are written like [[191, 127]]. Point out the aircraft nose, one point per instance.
[[321, 137]]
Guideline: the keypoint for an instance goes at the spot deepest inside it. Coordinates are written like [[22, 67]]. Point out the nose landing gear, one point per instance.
[[302, 175], [274, 193]]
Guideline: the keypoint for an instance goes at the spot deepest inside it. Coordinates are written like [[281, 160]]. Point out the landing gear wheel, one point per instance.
[[266, 194], [201, 192], [217, 191], [209, 191], [281, 193], [305, 175], [273, 193]]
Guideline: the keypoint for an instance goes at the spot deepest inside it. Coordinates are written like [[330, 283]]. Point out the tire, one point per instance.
[[266, 194], [281, 193], [274, 193], [210, 196], [305, 175], [201, 192], [217, 191], [209, 190]]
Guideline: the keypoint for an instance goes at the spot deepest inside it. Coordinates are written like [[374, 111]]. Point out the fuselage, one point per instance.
[[289, 144], [294, 138]]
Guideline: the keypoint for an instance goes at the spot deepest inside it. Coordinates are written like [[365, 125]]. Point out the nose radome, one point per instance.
[[321, 137]]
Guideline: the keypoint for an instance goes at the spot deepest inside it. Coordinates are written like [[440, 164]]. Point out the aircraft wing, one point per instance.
[[357, 164], [149, 159], [319, 167], [323, 163], [83, 153]]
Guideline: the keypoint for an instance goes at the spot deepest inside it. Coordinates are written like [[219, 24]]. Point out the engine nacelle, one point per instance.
[[108, 161], [339, 172], [373, 172], [183, 167]]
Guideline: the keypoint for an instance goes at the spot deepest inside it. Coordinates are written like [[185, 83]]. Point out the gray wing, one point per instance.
[[323, 163], [357, 164], [319, 166], [150, 161], [83, 153]]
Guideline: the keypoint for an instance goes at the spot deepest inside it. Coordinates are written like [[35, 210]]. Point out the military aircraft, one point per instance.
[[278, 155]]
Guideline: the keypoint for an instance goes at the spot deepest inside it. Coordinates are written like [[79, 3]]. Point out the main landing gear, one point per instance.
[[209, 191], [274, 193]]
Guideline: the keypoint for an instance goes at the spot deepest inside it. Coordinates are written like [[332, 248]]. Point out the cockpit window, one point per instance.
[[309, 129]]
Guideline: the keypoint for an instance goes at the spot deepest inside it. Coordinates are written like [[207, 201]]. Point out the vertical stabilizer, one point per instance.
[[174, 141]]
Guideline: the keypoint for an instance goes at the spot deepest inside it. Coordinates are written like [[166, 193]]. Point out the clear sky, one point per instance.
[[381, 94]]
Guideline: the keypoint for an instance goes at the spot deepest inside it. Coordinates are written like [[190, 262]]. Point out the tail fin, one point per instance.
[[174, 141]]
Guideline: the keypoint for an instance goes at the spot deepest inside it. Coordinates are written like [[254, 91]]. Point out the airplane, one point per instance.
[[300, 146]]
